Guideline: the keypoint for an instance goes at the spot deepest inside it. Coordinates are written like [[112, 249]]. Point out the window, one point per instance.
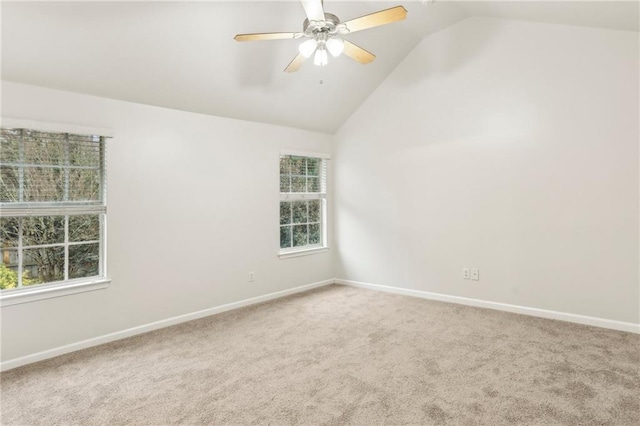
[[303, 203], [53, 205]]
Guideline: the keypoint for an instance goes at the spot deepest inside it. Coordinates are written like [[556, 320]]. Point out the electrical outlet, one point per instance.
[[475, 274], [251, 277], [465, 273]]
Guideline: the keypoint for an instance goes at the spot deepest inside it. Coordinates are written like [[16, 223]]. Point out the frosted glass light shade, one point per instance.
[[335, 46], [308, 47], [320, 58]]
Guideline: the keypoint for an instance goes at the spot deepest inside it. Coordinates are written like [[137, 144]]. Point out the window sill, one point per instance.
[[26, 295], [304, 252]]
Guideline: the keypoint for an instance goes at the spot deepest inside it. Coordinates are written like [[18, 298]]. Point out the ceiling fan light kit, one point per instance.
[[323, 31], [308, 47], [320, 58], [335, 46], [320, 44]]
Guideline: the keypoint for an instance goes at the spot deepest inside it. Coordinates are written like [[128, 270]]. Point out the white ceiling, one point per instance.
[[182, 55]]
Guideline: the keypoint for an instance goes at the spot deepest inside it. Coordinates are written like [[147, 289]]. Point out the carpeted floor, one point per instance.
[[341, 355]]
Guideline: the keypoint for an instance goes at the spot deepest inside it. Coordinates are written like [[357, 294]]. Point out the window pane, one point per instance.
[[9, 184], [44, 148], [285, 213], [8, 272], [299, 235], [83, 151], [10, 258], [8, 232], [84, 185], [84, 260], [285, 183], [43, 184], [298, 166], [313, 184], [43, 265], [314, 211], [285, 236], [313, 166], [300, 212], [8, 244], [84, 228], [285, 165], [298, 184], [10, 146], [314, 234], [41, 230]]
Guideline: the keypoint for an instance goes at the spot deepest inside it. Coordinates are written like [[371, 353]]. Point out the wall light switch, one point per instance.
[[251, 277], [475, 274]]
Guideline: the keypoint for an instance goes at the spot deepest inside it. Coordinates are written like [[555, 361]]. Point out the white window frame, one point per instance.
[[70, 286], [323, 246]]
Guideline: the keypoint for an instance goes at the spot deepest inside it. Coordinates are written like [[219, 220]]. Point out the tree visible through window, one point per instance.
[[52, 196], [302, 202]]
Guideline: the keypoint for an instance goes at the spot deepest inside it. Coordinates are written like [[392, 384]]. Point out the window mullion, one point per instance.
[[103, 255], [301, 196], [103, 171], [43, 209], [50, 166], [20, 256], [43, 246], [291, 222], [66, 247], [307, 205]]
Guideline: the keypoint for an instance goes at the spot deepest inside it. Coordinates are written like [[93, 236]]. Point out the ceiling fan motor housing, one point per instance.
[[329, 26]]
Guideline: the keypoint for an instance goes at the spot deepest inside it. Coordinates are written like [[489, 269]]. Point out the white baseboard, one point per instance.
[[61, 350], [542, 313]]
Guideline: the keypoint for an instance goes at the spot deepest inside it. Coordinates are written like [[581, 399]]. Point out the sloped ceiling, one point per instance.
[[182, 55]]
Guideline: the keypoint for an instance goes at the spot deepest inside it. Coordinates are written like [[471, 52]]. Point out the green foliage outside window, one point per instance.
[[9, 278]]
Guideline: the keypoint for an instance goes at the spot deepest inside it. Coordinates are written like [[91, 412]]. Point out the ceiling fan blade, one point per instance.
[[376, 19], [313, 9], [267, 36], [357, 53], [295, 64]]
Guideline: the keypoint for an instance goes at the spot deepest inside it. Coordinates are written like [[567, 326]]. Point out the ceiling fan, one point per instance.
[[324, 31]]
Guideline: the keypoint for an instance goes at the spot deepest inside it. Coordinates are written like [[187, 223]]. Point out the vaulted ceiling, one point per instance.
[[182, 55]]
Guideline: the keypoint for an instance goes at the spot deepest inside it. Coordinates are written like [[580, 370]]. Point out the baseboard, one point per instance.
[[524, 310], [61, 350], [542, 313]]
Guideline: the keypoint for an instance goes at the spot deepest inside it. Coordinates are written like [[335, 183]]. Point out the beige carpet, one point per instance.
[[340, 355]]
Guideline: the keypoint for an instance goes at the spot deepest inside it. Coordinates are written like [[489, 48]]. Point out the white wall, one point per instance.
[[192, 208], [507, 146], [503, 145]]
